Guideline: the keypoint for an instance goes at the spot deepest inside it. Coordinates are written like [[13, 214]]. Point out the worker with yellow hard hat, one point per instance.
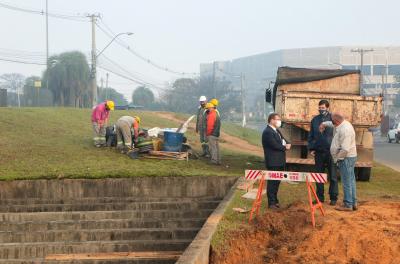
[[212, 127], [100, 116], [127, 127], [215, 102]]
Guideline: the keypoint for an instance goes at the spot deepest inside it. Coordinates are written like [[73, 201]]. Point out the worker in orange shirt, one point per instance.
[[212, 127]]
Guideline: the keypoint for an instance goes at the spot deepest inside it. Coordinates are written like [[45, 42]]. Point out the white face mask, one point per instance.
[[278, 123]]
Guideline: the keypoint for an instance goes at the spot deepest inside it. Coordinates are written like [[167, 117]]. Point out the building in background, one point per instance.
[[380, 68]]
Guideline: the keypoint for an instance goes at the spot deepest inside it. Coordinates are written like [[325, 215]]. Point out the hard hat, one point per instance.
[[137, 119], [210, 105], [110, 104], [202, 98], [214, 102]]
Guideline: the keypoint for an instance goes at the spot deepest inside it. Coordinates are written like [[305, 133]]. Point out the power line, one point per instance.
[[22, 62], [110, 33], [79, 18], [125, 70]]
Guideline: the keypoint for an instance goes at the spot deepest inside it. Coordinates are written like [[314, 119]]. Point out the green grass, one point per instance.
[[57, 143], [384, 185], [250, 135]]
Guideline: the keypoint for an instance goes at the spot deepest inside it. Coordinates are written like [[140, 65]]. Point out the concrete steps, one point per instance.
[[97, 215], [108, 217], [33, 226], [136, 205], [90, 261], [42, 249]]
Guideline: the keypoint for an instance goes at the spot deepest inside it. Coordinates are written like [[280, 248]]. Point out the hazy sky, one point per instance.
[[181, 34]]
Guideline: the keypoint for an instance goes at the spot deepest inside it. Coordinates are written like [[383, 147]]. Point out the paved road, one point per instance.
[[388, 154]]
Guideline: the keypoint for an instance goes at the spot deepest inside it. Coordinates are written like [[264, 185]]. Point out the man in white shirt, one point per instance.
[[344, 153]]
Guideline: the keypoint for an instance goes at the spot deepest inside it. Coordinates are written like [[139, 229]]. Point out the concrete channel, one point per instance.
[[142, 220]]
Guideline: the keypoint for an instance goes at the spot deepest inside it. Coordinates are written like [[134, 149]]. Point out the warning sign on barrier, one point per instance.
[[286, 176]]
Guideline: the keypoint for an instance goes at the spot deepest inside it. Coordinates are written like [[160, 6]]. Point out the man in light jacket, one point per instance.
[[344, 154]]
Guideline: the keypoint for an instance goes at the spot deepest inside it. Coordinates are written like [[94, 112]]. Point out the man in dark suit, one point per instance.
[[275, 147]]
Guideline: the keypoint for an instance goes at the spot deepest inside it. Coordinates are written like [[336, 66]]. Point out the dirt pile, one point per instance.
[[369, 235]]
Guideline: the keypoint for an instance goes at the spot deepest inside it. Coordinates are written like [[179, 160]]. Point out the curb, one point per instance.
[[198, 252]]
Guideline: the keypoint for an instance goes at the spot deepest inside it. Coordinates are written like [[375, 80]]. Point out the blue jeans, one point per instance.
[[346, 168]]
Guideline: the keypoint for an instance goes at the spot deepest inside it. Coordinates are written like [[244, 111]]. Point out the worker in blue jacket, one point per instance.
[[319, 144]]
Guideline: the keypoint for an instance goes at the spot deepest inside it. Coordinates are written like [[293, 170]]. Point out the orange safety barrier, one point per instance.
[[255, 209], [318, 204], [257, 202]]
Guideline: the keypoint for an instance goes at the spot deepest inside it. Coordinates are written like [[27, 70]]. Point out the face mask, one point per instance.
[[278, 123], [323, 112]]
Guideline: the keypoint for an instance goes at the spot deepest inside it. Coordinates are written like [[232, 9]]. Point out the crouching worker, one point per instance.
[[100, 115], [127, 128]]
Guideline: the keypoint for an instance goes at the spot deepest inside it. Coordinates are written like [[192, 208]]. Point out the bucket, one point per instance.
[[172, 141]]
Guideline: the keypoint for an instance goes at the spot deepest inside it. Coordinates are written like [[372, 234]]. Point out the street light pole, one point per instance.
[[93, 76], [47, 43]]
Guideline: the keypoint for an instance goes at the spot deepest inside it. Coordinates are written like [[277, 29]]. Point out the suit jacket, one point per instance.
[[274, 151]]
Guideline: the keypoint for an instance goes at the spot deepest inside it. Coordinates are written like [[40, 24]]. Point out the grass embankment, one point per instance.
[[384, 186], [57, 143]]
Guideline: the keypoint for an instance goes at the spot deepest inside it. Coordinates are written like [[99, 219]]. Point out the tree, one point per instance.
[[143, 96], [68, 78], [185, 92], [111, 94], [13, 82]]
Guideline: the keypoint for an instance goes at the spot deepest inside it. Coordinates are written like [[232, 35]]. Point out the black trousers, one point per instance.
[[273, 186], [324, 161]]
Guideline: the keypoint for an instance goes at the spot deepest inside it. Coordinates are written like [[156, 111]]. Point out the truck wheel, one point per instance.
[[363, 174]]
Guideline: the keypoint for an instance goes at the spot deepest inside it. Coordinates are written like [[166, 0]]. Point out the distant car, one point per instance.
[[394, 134]]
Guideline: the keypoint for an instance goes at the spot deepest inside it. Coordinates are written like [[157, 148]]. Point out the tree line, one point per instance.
[[66, 83]]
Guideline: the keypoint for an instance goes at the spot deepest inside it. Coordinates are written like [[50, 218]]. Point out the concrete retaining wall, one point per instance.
[[117, 187], [198, 252]]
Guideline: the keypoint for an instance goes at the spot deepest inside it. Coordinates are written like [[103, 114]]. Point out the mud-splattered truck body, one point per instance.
[[296, 95]]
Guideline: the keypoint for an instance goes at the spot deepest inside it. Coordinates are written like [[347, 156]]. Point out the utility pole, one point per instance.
[[243, 100], [107, 86], [47, 43], [93, 18], [101, 85], [361, 52]]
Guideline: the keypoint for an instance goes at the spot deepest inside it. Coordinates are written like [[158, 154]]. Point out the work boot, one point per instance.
[[344, 208], [333, 202], [205, 150], [355, 207]]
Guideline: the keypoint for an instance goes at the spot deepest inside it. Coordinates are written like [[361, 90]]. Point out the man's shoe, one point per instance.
[[344, 208], [355, 207], [333, 202], [273, 207]]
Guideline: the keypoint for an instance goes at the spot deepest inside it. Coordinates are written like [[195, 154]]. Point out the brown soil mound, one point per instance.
[[369, 235]]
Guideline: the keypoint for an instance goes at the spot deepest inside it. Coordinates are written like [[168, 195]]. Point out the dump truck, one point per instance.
[[295, 97]]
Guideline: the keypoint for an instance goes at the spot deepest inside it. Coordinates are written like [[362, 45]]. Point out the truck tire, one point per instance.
[[363, 173]]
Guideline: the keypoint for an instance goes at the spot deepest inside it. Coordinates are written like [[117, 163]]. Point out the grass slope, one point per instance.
[[57, 143]]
